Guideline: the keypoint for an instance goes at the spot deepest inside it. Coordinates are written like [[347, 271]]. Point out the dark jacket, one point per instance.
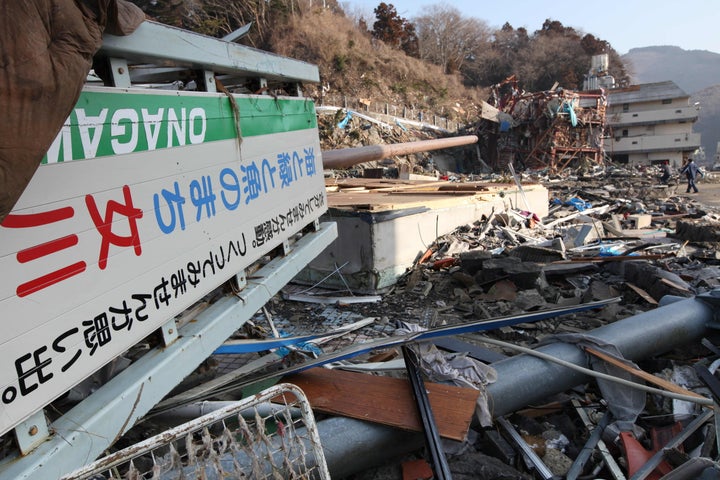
[[690, 170]]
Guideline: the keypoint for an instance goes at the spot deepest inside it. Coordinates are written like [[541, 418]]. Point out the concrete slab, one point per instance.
[[382, 231]]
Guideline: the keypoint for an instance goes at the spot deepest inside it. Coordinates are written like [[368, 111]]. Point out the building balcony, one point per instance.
[[653, 143], [651, 117]]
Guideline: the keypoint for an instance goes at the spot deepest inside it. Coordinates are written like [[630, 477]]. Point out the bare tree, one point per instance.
[[553, 58], [449, 39], [361, 15], [492, 64]]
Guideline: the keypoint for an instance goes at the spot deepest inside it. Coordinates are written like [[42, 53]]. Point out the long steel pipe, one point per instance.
[[347, 157], [525, 379]]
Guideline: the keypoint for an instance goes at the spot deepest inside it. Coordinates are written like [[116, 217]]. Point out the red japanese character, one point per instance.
[[104, 226]]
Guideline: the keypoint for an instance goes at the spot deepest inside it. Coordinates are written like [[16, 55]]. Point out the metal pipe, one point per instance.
[[178, 415], [347, 157], [524, 379], [353, 446]]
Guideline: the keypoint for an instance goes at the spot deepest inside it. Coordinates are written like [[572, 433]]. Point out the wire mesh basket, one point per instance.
[[272, 435]]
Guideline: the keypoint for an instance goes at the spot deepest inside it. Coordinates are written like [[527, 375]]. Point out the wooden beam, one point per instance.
[[642, 293], [669, 386], [386, 400]]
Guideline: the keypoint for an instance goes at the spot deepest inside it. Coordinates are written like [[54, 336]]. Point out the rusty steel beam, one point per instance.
[[347, 157]]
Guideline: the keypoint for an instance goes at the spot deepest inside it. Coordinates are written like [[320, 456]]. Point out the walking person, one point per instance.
[[691, 170]]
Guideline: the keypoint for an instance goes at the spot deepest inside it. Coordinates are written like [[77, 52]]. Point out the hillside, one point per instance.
[[692, 70], [695, 71], [709, 123], [354, 67]]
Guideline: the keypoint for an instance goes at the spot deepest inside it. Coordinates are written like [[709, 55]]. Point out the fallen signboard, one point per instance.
[[147, 201]]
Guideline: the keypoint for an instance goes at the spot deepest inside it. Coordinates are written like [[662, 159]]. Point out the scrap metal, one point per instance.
[[432, 437], [551, 129]]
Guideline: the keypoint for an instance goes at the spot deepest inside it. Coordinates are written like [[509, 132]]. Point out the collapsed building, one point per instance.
[[642, 124], [550, 129]]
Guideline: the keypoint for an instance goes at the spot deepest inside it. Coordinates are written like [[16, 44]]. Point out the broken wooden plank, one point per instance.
[[642, 293], [417, 470], [386, 400], [672, 284], [542, 410], [643, 374], [384, 356]]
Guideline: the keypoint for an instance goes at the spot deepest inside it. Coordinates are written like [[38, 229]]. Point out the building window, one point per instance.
[[621, 158], [667, 101], [625, 133], [626, 107]]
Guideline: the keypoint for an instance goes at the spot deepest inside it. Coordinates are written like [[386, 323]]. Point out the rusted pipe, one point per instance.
[[347, 157]]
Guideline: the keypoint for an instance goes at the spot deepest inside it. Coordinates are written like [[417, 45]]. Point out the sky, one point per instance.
[[625, 24]]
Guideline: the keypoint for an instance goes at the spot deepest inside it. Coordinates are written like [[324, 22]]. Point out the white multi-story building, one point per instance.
[[650, 123]]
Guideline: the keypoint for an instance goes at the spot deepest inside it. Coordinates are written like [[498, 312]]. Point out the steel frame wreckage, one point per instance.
[[549, 129]]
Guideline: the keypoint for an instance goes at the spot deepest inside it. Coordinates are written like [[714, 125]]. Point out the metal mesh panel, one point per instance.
[[253, 438]]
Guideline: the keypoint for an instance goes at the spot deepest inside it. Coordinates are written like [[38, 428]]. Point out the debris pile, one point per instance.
[[478, 295], [577, 345], [344, 129]]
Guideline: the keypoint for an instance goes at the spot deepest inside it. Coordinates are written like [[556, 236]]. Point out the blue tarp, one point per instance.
[[567, 107], [578, 203], [345, 120]]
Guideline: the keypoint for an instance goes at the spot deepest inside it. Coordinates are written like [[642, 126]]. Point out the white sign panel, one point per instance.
[[145, 203]]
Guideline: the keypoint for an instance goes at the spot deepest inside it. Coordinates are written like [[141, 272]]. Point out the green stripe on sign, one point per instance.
[[114, 123]]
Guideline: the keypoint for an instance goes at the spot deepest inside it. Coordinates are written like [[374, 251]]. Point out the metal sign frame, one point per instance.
[[187, 160]]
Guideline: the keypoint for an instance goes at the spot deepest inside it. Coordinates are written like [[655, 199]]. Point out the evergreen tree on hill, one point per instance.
[[395, 30]]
